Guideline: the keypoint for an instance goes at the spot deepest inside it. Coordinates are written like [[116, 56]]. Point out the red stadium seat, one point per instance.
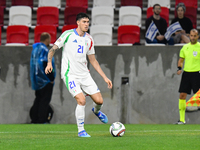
[[68, 27], [1, 16], [188, 3], [164, 13], [70, 14], [18, 34], [0, 35], [128, 34], [47, 16], [22, 3], [132, 3], [191, 13], [75, 3], [52, 30], [3, 3]]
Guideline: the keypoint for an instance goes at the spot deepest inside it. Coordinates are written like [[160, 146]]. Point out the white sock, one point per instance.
[[80, 116], [97, 108]]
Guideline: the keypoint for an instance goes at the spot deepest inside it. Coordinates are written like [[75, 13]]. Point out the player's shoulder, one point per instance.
[[67, 32], [87, 35]]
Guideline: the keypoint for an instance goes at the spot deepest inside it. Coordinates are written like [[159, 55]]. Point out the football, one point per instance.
[[117, 129]]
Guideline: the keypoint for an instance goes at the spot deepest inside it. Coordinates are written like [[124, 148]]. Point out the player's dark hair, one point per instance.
[[156, 5], [81, 15], [44, 36]]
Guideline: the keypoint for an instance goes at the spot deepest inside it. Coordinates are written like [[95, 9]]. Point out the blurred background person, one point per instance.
[[186, 24], [42, 83]]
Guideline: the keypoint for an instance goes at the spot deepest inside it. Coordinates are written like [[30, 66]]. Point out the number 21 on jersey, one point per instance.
[[80, 48]]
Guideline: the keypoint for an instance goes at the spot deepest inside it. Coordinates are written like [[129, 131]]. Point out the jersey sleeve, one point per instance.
[[91, 47], [60, 41], [181, 54]]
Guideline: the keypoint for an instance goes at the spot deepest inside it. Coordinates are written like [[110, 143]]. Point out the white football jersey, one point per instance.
[[75, 49]]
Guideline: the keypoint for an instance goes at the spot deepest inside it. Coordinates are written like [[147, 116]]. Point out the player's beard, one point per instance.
[[157, 14], [193, 41]]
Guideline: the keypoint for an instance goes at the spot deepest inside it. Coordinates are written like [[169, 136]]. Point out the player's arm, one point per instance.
[[180, 65], [97, 67], [51, 52]]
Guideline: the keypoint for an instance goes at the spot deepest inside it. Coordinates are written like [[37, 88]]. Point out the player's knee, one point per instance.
[[81, 102], [99, 101], [80, 99], [183, 96]]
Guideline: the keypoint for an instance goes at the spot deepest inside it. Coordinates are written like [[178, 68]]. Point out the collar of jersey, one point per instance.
[[77, 33]]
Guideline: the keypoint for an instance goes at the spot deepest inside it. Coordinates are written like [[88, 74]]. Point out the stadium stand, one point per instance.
[[164, 13], [188, 3], [51, 29], [22, 3], [138, 3], [68, 27], [88, 5], [3, 3], [54, 3], [1, 16], [163, 3], [102, 34], [17, 35], [0, 35], [20, 15], [100, 3], [130, 15], [103, 16], [48, 16], [75, 3], [70, 14], [128, 34]]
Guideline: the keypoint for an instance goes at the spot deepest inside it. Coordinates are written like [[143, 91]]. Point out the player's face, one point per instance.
[[180, 12], [194, 37], [83, 24], [157, 10]]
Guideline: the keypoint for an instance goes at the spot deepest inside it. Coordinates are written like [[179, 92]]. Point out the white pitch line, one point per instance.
[[129, 131]]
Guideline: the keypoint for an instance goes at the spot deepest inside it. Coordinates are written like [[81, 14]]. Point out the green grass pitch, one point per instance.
[[64, 137]]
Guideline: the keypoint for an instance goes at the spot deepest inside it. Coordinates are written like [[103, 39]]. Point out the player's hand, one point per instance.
[[109, 83], [182, 31], [160, 37], [179, 72], [48, 68]]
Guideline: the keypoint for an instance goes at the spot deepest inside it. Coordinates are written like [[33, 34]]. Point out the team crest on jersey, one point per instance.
[[194, 53]]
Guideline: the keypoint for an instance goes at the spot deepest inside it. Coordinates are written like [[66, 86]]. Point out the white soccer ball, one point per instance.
[[117, 129]]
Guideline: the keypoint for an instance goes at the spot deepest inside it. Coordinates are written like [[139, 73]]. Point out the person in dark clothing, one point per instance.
[[42, 83], [186, 24], [161, 25]]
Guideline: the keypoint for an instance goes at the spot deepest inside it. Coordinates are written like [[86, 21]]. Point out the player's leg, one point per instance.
[[80, 114], [44, 103], [182, 106], [184, 89], [98, 103], [73, 85], [34, 108], [90, 87]]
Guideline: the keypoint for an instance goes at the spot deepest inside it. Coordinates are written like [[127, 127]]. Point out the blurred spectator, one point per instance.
[[161, 25], [42, 83], [186, 24]]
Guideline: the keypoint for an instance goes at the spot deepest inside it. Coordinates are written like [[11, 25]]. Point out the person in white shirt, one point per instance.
[[77, 43]]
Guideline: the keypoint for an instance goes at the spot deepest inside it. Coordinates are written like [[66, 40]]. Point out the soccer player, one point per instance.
[[190, 53], [77, 43]]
